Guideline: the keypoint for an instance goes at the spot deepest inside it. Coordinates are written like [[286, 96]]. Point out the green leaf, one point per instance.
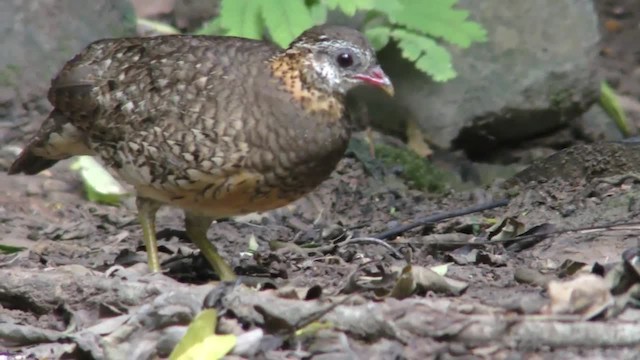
[[318, 13], [428, 56], [241, 18], [8, 249], [610, 104], [213, 347], [388, 7], [211, 27], [437, 18], [378, 36], [201, 341], [285, 19], [350, 7]]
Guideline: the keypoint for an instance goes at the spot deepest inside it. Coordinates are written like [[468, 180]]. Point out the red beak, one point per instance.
[[376, 77]]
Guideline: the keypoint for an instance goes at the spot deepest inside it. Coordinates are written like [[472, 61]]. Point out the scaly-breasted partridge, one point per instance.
[[218, 126]]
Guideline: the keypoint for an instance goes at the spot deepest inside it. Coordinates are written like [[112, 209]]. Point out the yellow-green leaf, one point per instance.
[[285, 19], [99, 185], [440, 269], [200, 342], [212, 348], [610, 104], [158, 26]]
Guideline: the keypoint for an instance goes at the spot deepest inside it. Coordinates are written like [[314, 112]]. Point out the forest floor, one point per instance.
[[81, 286]]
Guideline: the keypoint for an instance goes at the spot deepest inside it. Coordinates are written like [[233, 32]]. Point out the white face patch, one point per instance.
[[328, 72]]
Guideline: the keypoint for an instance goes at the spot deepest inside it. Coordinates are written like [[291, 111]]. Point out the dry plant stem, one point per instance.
[[439, 217], [371, 240]]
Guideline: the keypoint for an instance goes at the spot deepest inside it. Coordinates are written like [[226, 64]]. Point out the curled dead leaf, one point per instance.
[[420, 280]]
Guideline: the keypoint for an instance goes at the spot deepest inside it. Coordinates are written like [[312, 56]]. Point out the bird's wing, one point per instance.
[[164, 107]]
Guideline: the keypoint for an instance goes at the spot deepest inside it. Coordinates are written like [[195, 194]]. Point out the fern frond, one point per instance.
[[427, 55], [241, 18], [378, 36], [438, 18], [285, 19], [349, 7]]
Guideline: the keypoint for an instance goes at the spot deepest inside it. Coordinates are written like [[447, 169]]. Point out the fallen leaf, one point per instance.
[[441, 269], [99, 185], [415, 139], [201, 342], [7, 249], [420, 280], [586, 295], [570, 268], [253, 244], [613, 25], [506, 229], [211, 348]]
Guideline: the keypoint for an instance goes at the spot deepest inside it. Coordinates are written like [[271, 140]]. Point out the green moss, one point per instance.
[[417, 172], [562, 99], [9, 74]]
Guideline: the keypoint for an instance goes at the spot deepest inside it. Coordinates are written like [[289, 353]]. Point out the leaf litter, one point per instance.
[[317, 279]]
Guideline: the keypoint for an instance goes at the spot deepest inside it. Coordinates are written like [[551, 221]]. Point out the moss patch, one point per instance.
[[9, 74], [418, 172]]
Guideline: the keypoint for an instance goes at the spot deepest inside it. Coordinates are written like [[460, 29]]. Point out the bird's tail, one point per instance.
[[56, 140]]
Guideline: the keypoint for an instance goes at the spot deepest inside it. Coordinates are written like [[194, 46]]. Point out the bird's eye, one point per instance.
[[345, 60]]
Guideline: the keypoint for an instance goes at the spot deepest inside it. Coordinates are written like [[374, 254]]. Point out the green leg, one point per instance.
[[147, 210], [196, 227]]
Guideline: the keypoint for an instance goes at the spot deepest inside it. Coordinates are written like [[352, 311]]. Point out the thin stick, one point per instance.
[[439, 217], [371, 240]]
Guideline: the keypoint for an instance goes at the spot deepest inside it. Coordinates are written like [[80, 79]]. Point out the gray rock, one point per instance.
[[534, 75], [597, 125], [38, 36]]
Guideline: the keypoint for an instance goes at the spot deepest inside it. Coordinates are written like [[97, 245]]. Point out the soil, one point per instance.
[[69, 240]]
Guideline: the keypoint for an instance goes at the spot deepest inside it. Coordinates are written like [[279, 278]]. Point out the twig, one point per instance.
[[586, 230], [372, 240], [439, 217]]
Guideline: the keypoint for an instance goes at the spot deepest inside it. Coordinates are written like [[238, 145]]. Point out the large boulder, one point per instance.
[[38, 36], [535, 73]]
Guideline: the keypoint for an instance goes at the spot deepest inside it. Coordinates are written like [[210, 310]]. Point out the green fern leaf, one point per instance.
[[285, 19], [241, 18], [427, 55], [387, 7], [349, 7], [378, 36], [437, 18], [211, 27], [318, 13]]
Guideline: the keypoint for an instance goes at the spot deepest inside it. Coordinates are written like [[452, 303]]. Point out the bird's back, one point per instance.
[[123, 82]]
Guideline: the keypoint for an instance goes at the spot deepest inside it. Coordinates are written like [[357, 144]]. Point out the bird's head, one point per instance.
[[337, 59]]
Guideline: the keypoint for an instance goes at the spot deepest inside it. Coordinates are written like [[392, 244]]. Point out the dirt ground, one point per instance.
[[80, 287]]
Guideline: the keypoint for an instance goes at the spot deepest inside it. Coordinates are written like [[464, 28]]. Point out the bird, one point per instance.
[[218, 126]]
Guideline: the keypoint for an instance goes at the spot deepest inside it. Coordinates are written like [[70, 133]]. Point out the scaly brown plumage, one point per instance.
[[217, 126]]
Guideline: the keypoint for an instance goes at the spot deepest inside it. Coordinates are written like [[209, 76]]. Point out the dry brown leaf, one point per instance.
[[415, 139], [586, 295]]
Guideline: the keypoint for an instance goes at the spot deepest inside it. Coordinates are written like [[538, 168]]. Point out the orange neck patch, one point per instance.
[[288, 68]]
